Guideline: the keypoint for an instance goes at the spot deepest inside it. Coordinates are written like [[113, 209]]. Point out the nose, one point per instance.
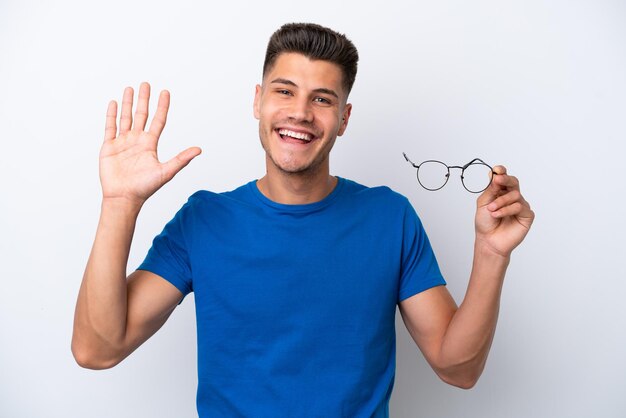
[[301, 110]]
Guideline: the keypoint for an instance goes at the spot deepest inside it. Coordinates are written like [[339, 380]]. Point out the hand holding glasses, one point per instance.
[[432, 175]]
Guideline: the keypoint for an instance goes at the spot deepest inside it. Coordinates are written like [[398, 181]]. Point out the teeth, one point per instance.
[[297, 135]]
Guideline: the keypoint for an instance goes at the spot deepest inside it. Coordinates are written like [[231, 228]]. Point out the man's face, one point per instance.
[[301, 109]]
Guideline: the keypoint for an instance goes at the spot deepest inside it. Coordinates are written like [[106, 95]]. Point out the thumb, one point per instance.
[[173, 166]]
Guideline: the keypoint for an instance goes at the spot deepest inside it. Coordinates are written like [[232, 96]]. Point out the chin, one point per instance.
[[292, 167]]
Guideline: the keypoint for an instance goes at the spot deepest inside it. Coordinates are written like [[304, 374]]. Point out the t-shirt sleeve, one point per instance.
[[169, 255], [420, 270]]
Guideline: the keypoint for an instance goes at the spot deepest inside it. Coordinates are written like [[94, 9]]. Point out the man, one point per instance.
[[297, 275]]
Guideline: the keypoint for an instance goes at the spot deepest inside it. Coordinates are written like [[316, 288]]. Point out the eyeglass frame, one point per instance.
[[417, 166]]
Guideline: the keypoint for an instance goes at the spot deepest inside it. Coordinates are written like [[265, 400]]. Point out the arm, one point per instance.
[[456, 341], [114, 315]]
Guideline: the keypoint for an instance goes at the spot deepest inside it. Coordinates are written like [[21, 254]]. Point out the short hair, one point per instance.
[[317, 43]]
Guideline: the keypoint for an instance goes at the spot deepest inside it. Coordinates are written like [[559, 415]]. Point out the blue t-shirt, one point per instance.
[[296, 304]]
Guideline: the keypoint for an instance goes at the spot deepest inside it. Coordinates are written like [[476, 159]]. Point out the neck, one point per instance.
[[296, 188]]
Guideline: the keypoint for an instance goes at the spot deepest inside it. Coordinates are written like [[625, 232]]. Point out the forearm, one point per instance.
[[469, 335], [101, 308]]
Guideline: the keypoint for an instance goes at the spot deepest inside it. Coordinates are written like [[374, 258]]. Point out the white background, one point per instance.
[[539, 86]]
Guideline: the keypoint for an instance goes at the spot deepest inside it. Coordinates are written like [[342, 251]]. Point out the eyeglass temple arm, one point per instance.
[[481, 161], [412, 163]]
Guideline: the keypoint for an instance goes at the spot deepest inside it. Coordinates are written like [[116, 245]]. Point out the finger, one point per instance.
[[510, 210], [505, 200], [126, 118], [496, 172], [160, 116], [499, 169], [500, 184], [141, 113], [110, 126], [173, 166], [505, 181], [521, 210]]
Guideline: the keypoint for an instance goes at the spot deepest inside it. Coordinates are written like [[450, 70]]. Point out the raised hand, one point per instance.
[[129, 165], [503, 216]]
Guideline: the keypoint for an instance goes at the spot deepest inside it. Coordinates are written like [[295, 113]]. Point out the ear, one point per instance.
[[347, 110], [257, 100]]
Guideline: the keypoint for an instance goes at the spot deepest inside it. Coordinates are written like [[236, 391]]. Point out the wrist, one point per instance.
[[488, 266], [121, 205], [485, 251]]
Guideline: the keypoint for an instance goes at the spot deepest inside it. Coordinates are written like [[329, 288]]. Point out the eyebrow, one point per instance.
[[318, 90]]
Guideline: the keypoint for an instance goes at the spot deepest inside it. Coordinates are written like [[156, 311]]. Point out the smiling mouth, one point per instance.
[[302, 137]]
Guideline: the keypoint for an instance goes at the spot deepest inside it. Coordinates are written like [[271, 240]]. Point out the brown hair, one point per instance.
[[317, 43]]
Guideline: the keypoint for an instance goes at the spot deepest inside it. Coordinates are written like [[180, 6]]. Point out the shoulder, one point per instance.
[[382, 195], [203, 198], [204, 203], [381, 202]]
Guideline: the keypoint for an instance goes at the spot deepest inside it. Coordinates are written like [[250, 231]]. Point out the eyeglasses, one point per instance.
[[433, 175]]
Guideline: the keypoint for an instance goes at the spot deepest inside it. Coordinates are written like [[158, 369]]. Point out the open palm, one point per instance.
[[129, 164]]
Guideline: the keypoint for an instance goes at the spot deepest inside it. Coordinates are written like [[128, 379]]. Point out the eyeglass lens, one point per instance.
[[432, 175], [476, 177]]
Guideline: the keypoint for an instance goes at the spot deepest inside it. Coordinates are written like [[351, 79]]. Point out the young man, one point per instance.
[[297, 275]]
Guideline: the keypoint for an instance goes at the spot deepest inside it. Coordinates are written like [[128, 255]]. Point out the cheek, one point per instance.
[[331, 123], [272, 115], [266, 111]]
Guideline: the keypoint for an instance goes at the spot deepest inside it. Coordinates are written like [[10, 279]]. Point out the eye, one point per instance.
[[322, 100], [282, 92]]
